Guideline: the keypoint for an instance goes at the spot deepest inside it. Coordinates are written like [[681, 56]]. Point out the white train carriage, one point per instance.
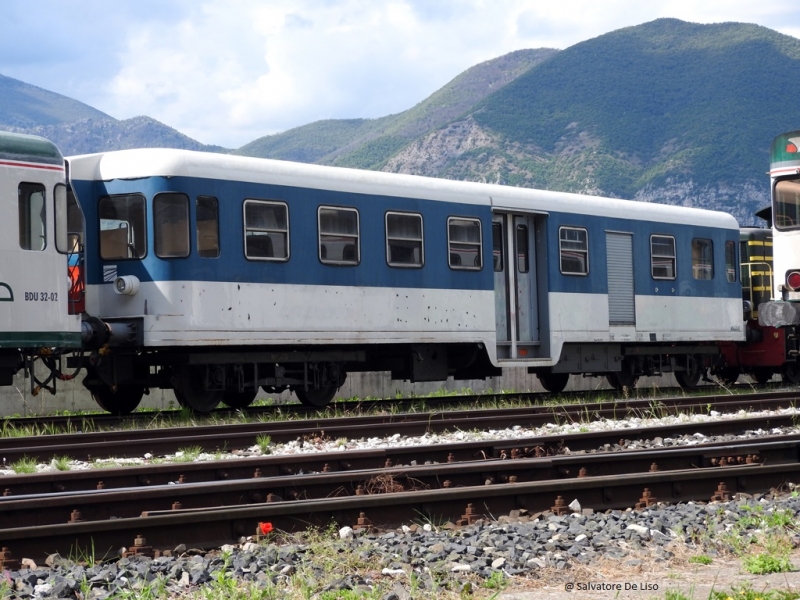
[[34, 243], [233, 273], [783, 310]]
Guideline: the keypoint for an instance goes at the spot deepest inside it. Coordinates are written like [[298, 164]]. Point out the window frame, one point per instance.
[[421, 239], [158, 224], [479, 244], [60, 219], [527, 257], [65, 209], [780, 218], [498, 254], [286, 231], [356, 236], [40, 187], [197, 225], [730, 268], [695, 266], [674, 257], [561, 250], [141, 198]]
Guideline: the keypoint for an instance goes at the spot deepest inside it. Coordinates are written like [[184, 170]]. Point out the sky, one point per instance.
[[227, 72]]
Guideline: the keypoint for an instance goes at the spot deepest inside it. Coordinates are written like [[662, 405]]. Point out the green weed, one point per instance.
[[264, 441], [188, 454], [496, 581], [61, 463], [746, 592], [766, 562], [24, 465]]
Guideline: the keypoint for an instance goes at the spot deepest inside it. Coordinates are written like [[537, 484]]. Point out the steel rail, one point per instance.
[[345, 460], [44, 509], [216, 526], [213, 438]]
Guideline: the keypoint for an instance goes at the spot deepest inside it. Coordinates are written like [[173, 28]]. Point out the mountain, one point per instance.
[[26, 105], [368, 143], [313, 142], [86, 136], [667, 111], [77, 128]]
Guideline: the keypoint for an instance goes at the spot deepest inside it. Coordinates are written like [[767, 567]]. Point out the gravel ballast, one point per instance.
[[525, 545], [518, 544]]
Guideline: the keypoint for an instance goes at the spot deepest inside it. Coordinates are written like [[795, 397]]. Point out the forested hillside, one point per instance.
[[368, 143]]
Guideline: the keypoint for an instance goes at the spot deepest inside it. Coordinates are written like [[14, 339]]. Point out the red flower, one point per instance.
[[265, 528]]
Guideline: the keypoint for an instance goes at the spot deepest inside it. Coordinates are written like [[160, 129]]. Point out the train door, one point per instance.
[[619, 252], [515, 287]]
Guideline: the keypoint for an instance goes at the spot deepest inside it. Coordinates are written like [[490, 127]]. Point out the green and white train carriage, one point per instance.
[[34, 246]]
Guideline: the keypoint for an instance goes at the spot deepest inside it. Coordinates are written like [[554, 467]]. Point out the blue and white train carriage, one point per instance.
[[234, 273]]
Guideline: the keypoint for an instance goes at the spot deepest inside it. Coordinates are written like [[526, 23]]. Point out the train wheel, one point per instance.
[[316, 398], [122, 401], [791, 373], [553, 382], [190, 392], [689, 378], [238, 399], [728, 375], [624, 380], [761, 374]]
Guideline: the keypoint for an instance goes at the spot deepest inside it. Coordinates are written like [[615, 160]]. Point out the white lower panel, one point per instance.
[[584, 318], [229, 313]]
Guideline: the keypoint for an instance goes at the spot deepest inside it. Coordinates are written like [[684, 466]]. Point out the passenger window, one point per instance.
[[730, 261], [171, 225], [464, 243], [339, 236], [207, 209], [573, 247], [122, 227], [702, 259], [60, 210], [662, 256], [787, 204], [522, 249], [32, 219], [266, 230], [497, 247], [69, 221], [404, 246]]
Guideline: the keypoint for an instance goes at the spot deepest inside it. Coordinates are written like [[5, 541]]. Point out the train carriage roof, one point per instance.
[[158, 162], [29, 148]]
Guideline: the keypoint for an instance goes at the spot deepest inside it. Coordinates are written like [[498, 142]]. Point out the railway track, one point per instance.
[[386, 456], [214, 513], [96, 421], [216, 438], [216, 502], [127, 502]]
